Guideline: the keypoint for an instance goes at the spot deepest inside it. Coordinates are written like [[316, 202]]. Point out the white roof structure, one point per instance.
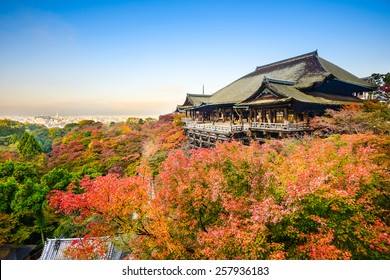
[[54, 249]]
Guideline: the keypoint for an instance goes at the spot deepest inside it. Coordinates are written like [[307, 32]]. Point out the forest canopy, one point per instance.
[[321, 196]]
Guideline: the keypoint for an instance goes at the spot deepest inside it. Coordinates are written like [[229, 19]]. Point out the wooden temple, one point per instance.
[[275, 100]]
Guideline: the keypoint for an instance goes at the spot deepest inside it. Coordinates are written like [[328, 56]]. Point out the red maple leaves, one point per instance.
[[308, 199]]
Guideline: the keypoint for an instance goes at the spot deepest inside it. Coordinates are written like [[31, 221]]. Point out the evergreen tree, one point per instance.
[[6, 169], [28, 205], [28, 146], [7, 194]]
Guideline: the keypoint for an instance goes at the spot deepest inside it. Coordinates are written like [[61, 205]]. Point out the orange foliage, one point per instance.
[[308, 199], [87, 249]]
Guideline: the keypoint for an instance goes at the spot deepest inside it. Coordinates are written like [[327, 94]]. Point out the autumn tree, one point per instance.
[[308, 199], [107, 206], [115, 148], [352, 119], [87, 148], [7, 226], [162, 136]]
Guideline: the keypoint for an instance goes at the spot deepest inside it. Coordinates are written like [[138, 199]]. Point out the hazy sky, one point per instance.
[[142, 57]]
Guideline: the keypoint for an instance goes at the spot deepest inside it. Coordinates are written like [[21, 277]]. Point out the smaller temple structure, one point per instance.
[[54, 249], [275, 100], [16, 252], [192, 101]]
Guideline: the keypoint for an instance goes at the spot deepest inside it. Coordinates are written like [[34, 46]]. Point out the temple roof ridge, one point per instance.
[[303, 72], [313, 53], [198, 94]]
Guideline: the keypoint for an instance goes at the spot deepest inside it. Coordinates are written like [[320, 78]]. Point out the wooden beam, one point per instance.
[[285, 115]]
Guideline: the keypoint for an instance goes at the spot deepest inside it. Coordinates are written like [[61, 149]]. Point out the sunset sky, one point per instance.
[[140, 58]]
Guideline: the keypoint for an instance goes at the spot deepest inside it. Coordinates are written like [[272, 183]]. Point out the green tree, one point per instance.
[[24, 171], [7, 194], [6, 169], [8, 127], [57, 179], [28, 205], [43, 137], [28, 146], [7, 226]]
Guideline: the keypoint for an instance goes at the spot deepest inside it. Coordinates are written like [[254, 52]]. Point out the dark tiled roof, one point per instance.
[[287, 92], [15, 252], [305, 71], [193, 100], [196, 99], [341, 74]]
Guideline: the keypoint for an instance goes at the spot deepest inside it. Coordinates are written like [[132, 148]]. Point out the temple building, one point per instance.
[[54, 249], [276, 99]]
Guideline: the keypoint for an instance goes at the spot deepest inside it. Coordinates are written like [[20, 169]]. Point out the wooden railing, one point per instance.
[[280, 126], [231, 128], [224, 128], [186, 120]]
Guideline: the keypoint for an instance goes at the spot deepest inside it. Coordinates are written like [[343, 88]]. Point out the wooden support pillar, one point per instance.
[[285, 115], [269, 113], [305, 116]]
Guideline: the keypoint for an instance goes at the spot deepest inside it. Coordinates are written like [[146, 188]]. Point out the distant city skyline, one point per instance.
[[61, 121], [140, 58]]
